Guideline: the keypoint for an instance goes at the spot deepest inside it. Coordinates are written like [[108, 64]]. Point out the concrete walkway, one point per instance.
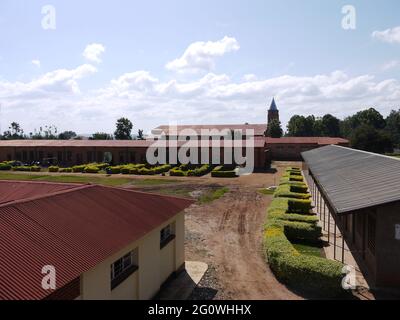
[[182, 286]]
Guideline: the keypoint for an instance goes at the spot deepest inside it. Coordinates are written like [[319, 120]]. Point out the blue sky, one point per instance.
[[238, 55]]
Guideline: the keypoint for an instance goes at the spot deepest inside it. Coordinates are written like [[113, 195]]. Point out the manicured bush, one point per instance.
[[307, 272], [21, 168], [78, 168], [35, 168], [54, 169], [221, 172], [200, 171], [91, 169], [287, 191], [65, 170], [290, 219], [114, 170], [177, 172], [5, 167]]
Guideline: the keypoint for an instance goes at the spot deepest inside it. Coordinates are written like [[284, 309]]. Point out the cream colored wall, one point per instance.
[[155, 266]]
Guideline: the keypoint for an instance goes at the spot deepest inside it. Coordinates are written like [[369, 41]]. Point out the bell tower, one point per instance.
[[273, 112]]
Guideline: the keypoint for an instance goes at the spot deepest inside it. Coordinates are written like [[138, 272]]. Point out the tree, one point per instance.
[[368, 138], [140, 135], [393, 127], [101, 136], [330, 126], [369, 117], [124, 129], [14, 132], [274, 129], [67, 135], [300, 126], [48, 133]]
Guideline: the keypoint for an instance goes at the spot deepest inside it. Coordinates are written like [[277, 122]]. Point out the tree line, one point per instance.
[[123, 131], [366, 130]]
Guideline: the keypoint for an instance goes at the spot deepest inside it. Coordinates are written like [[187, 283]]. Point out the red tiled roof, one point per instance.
[[259, 129], [72, 229], [306, 140]]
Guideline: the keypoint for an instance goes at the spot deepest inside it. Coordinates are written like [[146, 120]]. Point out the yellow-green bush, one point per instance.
[[53, 169], [290, 219]]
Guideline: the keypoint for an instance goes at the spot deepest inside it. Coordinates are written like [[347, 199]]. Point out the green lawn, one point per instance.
[[213, 195], [311, 250], [81, 178]]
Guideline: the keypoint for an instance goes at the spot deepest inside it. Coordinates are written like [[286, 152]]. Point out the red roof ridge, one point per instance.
[[48, 195]]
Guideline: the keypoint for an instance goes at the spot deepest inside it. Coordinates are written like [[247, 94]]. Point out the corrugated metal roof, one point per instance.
[[354, 179], [307, 140], [18, 190], [259, 129], [73, 230], [76, 143]]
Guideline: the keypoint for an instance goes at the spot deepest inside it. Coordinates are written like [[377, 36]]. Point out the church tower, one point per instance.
[[273, 112]]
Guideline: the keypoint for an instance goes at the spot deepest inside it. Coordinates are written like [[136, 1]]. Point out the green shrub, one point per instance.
[[114, 170], [78, 168], [287, 191], [5, 167], [53, 169], [64, 170], [35, 168], [289, 219], [22, 168], [177, 173], [91, 169], [303, 271], [223, 172]]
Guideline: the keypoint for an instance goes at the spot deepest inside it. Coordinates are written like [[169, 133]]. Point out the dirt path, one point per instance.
[[227, 234]]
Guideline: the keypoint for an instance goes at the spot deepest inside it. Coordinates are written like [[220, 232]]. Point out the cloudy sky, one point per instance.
[[82, 64]]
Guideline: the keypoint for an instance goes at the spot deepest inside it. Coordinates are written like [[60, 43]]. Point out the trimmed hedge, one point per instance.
[[53, 169], [5, 166], [114, 170], [91, 169], [290, 218], [64, 170], [289, 191], [221, 172], [78, 168], [185, 170], [27, 168]]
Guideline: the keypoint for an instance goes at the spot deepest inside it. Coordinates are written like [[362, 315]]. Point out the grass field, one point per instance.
[[214, 195], [81, 178]]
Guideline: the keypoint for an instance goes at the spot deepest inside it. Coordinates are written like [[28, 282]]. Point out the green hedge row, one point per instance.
[[291, 219], [5, 166], [27, 168], [222, 172], [289, 191], [185, 170]]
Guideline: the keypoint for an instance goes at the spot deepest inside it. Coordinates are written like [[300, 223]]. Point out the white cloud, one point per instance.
[[93, 52], [55, 82], [389, 35], [36, 63], [55, 98], [391, 65], [201, 55]]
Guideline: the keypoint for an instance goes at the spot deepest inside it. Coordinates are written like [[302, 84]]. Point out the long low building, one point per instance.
[[72, 152], [94, 242], [362, 193]]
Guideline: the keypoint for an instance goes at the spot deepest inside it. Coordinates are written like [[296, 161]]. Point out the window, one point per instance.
[[166, 236], [132, 156], [123, 268], [371, 233], [89, 156]]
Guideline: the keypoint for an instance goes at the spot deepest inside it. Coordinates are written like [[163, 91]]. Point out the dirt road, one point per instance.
[[227, 234]]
